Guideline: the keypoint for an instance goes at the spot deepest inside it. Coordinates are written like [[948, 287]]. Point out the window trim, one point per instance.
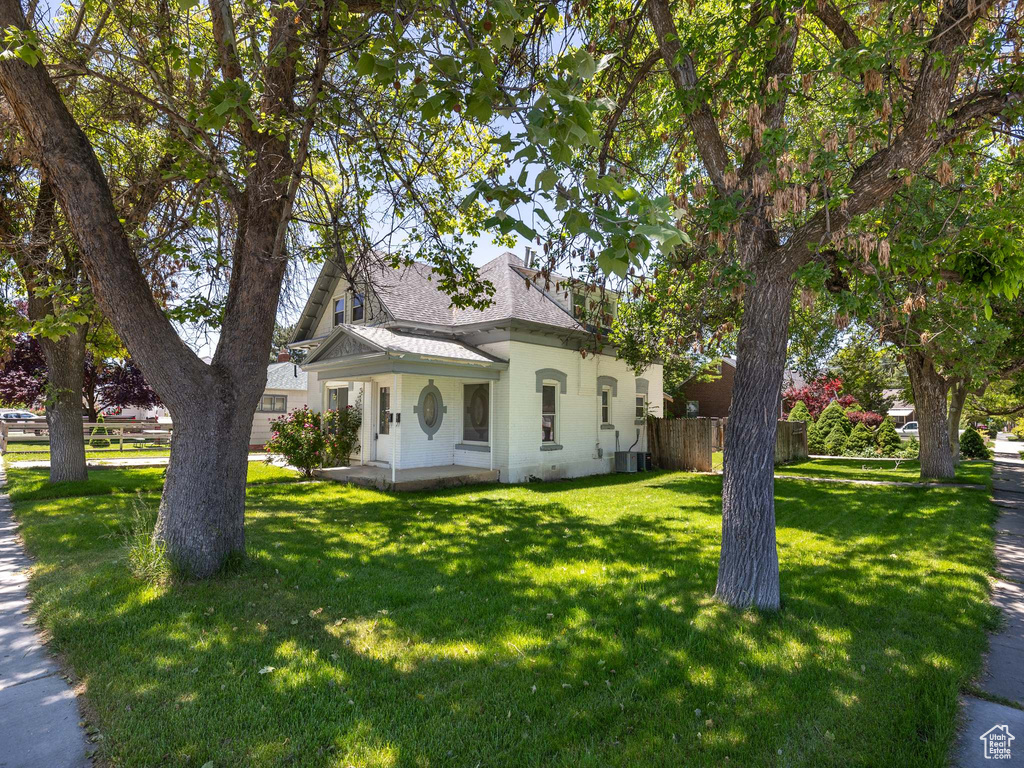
[[358, 302], [641, 402], [606, 406], [344, 308]]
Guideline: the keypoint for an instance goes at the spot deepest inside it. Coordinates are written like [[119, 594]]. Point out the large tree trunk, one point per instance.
[[748, 569], [957, 399], [930, 403], [202, 510], [65, 363]]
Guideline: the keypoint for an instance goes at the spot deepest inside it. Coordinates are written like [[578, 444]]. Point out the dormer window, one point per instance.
[[339, 311], [357, 307]]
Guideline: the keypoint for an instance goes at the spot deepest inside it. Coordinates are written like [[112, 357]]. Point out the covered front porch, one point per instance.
[[413, 479], [426, 406]]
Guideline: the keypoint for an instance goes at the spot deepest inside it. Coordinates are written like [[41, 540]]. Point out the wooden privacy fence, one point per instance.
[[122, 433], [689, 443], [680, 443], [790, 442]]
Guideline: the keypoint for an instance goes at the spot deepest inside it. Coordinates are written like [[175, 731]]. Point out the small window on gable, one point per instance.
[[606, 399], [357, 307], [549, 399], [339, 311]]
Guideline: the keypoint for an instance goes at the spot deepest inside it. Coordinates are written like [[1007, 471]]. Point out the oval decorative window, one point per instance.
[[430, 409]]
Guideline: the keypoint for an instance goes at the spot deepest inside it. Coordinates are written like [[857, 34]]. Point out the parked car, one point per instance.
[[15, 415], [908, 430]]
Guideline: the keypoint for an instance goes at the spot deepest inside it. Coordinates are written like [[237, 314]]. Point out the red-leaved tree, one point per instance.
[[817, 395]]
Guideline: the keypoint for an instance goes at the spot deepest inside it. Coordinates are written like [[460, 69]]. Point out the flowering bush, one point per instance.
[[309, 440], [341, 434]]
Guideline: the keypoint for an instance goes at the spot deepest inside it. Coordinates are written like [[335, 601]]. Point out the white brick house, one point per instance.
[[504, 389]]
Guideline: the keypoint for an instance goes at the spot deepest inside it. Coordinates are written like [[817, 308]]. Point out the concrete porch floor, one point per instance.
[[414, 479]]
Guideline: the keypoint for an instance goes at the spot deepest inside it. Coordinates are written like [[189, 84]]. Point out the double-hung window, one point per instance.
[[548, 412], [339, 311], [606, 406], [641, 407], [357, 307]]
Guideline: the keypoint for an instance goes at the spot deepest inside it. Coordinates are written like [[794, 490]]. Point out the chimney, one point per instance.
[[529, 257], [283, 356]]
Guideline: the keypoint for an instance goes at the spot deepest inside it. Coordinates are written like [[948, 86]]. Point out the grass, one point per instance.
[[41, 451], [561, 624], [33, 485], [902, 470]]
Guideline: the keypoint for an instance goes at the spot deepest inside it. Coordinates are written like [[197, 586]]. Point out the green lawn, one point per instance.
[[32, 484], [562, 624], [903, 470], [41, 451]]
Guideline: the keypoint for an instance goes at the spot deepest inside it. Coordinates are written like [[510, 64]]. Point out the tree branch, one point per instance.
[[683, 72], [833, 19]]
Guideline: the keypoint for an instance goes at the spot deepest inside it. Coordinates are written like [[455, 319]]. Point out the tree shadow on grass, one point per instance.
[[525, 626]]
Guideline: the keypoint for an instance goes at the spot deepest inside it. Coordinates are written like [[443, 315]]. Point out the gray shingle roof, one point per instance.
[[418, 345], [285, 376], [410, 294]]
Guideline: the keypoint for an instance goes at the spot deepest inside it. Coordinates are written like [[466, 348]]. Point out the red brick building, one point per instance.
[[714, 398]]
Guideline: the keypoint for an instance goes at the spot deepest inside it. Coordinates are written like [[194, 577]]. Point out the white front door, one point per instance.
[[383, 426]]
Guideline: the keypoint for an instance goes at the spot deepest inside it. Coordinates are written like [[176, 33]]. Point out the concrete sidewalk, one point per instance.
[[1004, 666], [38, 711]]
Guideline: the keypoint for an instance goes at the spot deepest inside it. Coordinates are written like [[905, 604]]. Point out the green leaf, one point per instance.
[[365, 65]]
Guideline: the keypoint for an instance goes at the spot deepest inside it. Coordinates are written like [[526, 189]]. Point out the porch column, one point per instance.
[[490, 422], [394, 428]]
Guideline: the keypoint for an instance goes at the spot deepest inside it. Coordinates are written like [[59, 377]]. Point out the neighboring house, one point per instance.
[[713, 398], [899, 411], [285, 391], [505, 388]]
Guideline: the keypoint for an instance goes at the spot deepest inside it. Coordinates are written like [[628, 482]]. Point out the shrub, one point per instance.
[[309, 440], [911, 449], [887, 439], [861, 442], [815, 440], [972, 446], [341, 434], [867, 418], [832, 415], [1018, 429], [800, 413], [101, 441], [835, 443]]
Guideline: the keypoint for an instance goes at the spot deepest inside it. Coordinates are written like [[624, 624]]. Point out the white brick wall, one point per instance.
[[516, 420], [578, 416]]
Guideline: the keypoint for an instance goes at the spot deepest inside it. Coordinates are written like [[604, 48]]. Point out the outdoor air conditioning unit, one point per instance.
[[625, 461]]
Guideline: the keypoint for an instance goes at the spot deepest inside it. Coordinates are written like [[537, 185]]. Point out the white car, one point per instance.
[[908, 430], [19, 416], [22, 416]]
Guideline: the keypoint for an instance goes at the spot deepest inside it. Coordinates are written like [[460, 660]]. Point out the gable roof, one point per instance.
[[410, 294], [372, 340], [285, 376]]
